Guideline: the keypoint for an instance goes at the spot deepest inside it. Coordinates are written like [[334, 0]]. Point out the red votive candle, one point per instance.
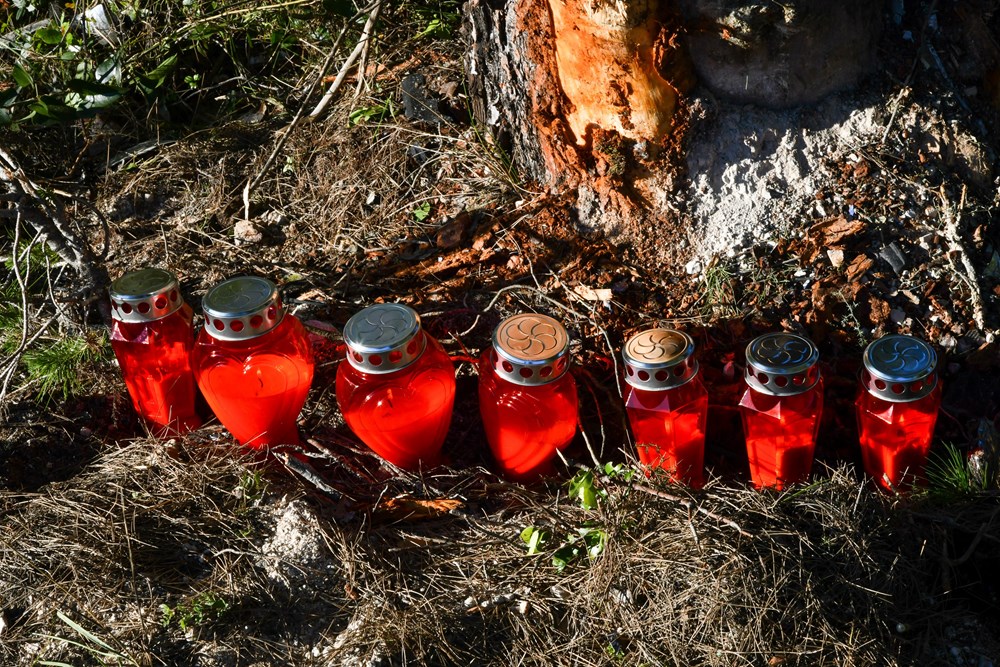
[[781, 408], [397, 389], [667, 404], [253, 362], [897, 406], [152, 337], [527, 398]]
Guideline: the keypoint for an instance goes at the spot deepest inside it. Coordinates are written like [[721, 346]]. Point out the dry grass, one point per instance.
[[826, 574]]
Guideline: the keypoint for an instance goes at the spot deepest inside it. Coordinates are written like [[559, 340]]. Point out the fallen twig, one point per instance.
[[252, 184], [349, 63]]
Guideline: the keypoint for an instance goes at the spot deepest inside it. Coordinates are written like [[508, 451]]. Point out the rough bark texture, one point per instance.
[[781, 54], [515, 88]]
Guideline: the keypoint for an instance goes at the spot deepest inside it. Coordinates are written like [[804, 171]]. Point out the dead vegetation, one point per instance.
[[180, 553]]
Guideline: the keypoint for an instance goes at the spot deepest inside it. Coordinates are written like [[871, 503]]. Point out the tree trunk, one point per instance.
[[582, 94]]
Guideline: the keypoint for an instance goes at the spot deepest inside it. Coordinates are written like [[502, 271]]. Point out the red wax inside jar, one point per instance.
[[403, 415], [896, 437], [155, 358], [525, 425], [780, 434], [257, 387], [669, 429]]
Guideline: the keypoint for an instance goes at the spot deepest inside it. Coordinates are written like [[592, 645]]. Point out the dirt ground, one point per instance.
[[873, 212]]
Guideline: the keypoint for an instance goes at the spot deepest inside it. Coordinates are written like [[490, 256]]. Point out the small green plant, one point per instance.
[[949, 476], [252, 486], [583, 489], [589, 540], [100, 650], [55, 368], [718, 294], [421, 213], [535, 539], [203, 608], [438, 22], [378, 112]]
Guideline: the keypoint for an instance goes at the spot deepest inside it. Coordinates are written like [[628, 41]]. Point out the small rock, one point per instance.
[[418, 103], [947, 341], [894, 256], [896, 315], [246, 233], [693, 267]]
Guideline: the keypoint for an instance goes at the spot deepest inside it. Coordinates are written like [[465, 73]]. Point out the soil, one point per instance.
[[871, 212]]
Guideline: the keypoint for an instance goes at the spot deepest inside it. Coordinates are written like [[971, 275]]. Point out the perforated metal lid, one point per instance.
[[145, 295], [242, 308], [782, 364], [530, 349], [384, 338], [899, 368], [658, 359]]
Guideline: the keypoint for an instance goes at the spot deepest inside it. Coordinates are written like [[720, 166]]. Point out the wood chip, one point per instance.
[[415, 509], [590, 294], [858, 267], [836, 230]]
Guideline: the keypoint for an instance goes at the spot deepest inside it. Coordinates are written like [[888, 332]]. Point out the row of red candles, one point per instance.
[[253, 363]]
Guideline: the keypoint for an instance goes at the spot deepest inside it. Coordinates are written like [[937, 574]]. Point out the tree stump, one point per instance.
[[582, 94]]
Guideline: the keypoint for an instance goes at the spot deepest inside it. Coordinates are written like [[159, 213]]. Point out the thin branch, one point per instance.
[[251, 185], [346, 67]]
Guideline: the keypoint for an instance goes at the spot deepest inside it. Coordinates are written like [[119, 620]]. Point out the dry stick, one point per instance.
[[288, 130], [691, 506], [16, 357], [953, 219], [308, 473], [335, 86]]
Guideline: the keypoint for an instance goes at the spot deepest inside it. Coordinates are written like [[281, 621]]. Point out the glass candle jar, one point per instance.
[[527, 398], [667, 404], [781, 408], [152, 337], [253, 362], [897, 407], [397, 389]]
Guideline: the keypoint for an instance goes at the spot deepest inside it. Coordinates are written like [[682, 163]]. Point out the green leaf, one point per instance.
[[421, 212], [163, 70], [51, 36], [534, 539], [21, 77], [82, 632], [92, 88], [581, 488]]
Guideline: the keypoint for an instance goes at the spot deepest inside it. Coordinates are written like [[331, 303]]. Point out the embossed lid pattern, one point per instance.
[[242, 308], [145, 295], [782, 364], [530, 349], [658, 359], [899, 368], [384, 338]]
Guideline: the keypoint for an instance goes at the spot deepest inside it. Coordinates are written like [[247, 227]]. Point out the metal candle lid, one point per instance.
[[782, 364], [530, 349], [242, 308], [899, 368], [145, 295], [659, 359], [384, 338]]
